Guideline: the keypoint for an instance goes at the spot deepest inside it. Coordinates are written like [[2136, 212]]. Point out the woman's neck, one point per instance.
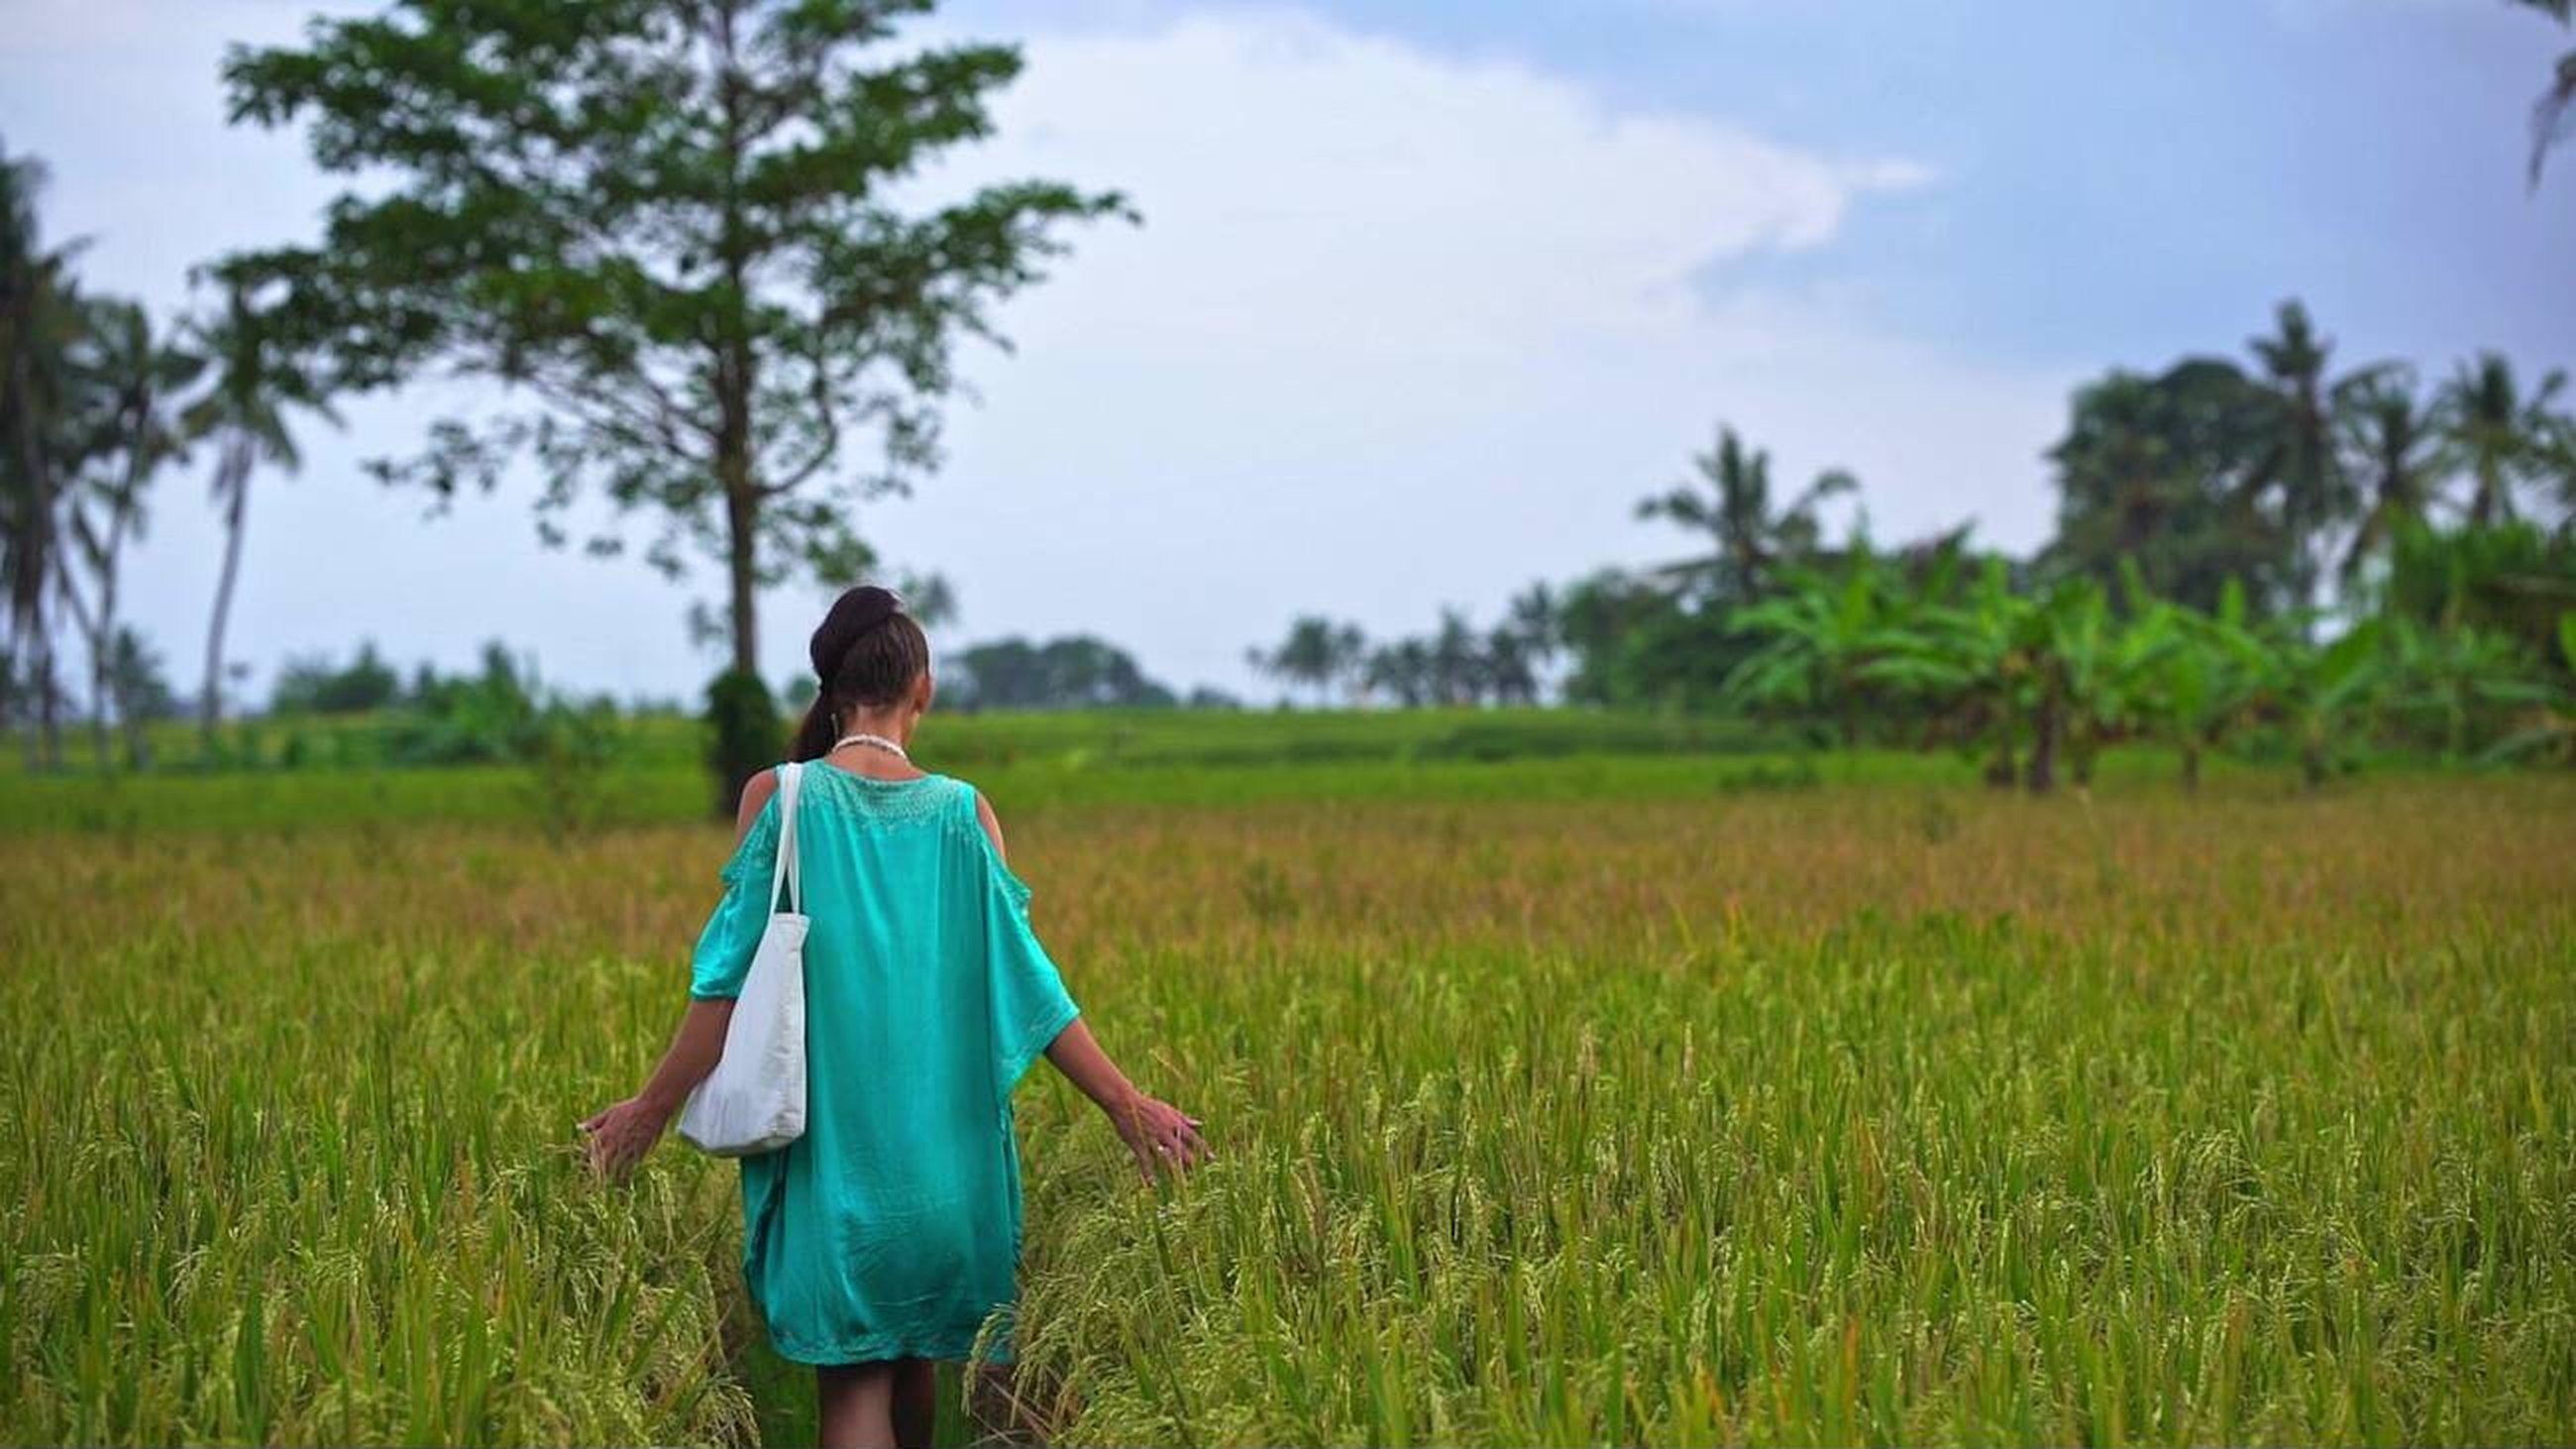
[[895, 725]]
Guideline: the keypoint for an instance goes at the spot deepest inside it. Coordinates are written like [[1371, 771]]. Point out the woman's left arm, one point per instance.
[[622, 1134]]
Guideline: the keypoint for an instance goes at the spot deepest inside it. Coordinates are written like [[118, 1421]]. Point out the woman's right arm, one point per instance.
[[1159, 1134], [622, 1133]]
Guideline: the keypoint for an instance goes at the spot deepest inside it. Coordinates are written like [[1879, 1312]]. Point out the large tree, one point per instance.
[[673, 229], [2157, 470]]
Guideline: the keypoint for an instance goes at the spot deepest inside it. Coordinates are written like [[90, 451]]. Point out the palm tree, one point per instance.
[[257, 385], [1315, 653], [2549, 114], [2395, 454], [39, 326], [2503, 438], [1349, 654], [2299, 467], [1735, 512], [1457, 661], [133, 378], [1509, 670], [1403, 670]]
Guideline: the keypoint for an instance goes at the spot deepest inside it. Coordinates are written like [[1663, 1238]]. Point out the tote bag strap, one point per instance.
[[789, 867]]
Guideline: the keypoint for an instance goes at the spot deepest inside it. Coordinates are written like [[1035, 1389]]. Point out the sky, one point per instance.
[[1425, 297]]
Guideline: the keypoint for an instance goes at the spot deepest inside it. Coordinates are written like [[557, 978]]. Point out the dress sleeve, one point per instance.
[[732, 933], [1029, 1003]]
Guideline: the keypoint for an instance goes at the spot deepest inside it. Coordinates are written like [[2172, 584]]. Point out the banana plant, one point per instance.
[[2197, 675], [2319, 693], [1820, 639], [1972, 657], [2450, 682], [2549, 731]]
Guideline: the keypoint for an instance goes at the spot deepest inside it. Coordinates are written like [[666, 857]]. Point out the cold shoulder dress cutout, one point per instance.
[[891, 1229]]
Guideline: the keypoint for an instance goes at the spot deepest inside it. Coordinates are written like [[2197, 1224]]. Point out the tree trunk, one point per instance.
[[93, 635], [742, 523], [138, 740], [235, 475], [2488, 503], [2043, 749], [2001, 770], [98, 736], [2191, 766], [734, 365], [102, 641], [49, 707]]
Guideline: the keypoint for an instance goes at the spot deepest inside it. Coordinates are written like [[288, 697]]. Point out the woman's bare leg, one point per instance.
[[856, 1405], [916, 1402]]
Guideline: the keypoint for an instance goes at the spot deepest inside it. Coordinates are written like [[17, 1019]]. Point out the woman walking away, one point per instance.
[[887, 1236]]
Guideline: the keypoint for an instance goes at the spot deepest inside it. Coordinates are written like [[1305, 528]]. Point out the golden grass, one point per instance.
[[1883, 1113]]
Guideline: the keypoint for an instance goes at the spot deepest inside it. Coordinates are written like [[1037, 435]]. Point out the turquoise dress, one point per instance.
[[891, 1229]]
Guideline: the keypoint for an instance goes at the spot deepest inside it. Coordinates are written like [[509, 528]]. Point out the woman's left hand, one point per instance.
[[622, 1134]]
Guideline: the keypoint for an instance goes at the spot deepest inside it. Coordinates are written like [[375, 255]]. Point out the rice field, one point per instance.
[[1866, 1110]]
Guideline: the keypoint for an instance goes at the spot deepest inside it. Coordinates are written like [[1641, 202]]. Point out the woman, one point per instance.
[[887, 1236]]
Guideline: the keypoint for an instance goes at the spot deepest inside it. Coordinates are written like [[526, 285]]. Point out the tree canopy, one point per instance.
[[672, 228]]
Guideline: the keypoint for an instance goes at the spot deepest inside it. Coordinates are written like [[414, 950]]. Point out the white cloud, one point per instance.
[[1401, 331], [1398, 331]]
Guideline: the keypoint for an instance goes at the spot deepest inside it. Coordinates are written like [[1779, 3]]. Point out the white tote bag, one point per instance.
[[754, 1101]]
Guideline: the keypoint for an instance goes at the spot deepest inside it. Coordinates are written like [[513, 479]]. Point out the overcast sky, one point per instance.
[[1426, 296]]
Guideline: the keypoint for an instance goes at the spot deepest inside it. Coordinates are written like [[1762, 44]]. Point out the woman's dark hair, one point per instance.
[[867, 651]]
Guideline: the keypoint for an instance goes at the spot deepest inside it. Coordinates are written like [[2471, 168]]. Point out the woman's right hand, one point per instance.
[[1162, 1136]]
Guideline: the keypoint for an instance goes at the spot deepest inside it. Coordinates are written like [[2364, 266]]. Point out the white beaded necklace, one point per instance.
[[874, 742]]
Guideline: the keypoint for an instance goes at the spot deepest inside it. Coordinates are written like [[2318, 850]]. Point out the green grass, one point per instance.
[[1650, 1098], [1068, 740]]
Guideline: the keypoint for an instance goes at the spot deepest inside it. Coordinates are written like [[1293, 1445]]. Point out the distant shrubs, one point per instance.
[[500, 714], [744, 734], [1077, 671], [310, 684]]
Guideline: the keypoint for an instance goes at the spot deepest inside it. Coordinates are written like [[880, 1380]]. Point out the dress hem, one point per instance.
[[881, 1349]]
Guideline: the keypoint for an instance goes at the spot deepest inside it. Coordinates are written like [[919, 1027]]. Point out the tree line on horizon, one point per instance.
[[2213, 518]]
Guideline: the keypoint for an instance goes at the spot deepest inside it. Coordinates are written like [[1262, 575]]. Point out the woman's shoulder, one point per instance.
[[756, 794], [980, 808]]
